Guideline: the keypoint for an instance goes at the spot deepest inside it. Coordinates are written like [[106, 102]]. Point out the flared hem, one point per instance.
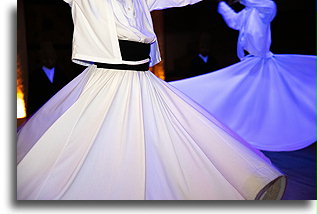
[[270, 102], [295, 146], [127, 135]]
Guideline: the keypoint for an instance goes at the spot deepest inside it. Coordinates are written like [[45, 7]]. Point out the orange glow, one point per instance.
[[21, 110], [158, 70]]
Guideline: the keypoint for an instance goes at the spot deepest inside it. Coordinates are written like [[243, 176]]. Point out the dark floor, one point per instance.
[[300, 168]]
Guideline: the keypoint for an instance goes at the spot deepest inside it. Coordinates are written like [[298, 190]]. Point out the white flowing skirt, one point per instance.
[[127, 135], [270, 102]]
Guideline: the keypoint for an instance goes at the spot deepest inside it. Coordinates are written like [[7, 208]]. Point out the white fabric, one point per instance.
[[49, 72], [129, 135], [269, 100], [99, 23], [163, 4], [113, 134], [130, 24], [253, 24]]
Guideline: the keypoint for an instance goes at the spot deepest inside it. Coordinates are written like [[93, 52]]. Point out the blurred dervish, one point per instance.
[[268, 99]]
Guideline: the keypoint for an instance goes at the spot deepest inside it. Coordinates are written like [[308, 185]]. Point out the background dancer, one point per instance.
[[268, 99]]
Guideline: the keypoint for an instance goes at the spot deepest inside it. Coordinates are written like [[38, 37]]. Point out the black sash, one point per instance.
[[130, 51]]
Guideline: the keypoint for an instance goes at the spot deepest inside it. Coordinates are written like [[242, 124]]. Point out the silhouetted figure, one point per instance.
[[46, 80], [203, 62]]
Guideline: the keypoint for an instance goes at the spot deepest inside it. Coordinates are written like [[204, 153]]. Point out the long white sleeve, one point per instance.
[[68, 1], [162, 4], [232, 18]]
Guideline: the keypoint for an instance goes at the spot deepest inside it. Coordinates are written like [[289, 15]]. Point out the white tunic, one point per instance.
[[99, 23], [131, 26], [253, 24]]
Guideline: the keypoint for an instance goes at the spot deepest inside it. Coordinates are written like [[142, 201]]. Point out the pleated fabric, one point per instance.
[[127, 135], [268, 101]]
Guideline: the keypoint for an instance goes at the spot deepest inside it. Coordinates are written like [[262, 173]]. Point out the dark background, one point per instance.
[[293, 32]]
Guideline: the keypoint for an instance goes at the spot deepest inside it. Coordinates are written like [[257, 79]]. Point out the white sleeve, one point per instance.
[[162, 4], [68, 1], [231, 17]]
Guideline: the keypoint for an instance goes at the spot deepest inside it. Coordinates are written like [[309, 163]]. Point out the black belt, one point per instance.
[[141, 67], [134, 51], [130, 51]]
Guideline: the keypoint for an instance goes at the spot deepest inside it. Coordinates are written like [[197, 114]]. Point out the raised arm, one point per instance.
[[232, 18], [162, 4]]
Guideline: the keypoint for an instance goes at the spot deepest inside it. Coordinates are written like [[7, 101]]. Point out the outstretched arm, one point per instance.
[[229, 15], [162, 4]]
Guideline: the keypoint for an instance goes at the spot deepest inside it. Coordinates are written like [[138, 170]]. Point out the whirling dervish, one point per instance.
[[117, 132], [268, 99]]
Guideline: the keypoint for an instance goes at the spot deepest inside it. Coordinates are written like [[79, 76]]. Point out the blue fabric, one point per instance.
[[300, 168]]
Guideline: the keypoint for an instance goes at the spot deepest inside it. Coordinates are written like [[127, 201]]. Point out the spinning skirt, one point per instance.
[[127, 135], [269, 102]]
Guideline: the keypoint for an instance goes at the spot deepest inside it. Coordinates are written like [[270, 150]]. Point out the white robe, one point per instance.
[[268, 99], [253, 24], [127, 135]]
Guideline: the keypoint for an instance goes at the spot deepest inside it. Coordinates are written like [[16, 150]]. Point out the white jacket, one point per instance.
[[95, 37]]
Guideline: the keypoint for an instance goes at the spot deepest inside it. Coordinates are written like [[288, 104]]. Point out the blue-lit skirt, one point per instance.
[[270, 102]]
